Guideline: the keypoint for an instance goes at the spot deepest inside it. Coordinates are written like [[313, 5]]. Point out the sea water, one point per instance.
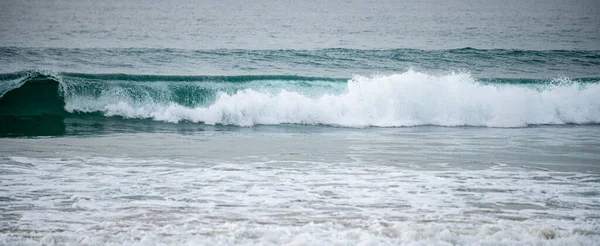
[[299, 123]]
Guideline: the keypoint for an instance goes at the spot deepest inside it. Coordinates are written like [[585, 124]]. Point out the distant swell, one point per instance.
[[406, 99], [117, 63]]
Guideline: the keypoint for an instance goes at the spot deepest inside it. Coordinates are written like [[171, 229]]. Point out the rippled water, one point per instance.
[[508, 24]]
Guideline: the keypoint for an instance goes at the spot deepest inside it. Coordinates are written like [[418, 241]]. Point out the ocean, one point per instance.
[[366, 122]]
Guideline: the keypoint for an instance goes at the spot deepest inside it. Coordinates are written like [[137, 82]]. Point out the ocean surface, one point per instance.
[[300, 122]]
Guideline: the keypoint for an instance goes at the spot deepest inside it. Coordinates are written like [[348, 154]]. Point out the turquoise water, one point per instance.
[[299, 123]]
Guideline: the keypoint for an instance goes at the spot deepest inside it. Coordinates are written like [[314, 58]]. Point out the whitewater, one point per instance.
[[407, 99]]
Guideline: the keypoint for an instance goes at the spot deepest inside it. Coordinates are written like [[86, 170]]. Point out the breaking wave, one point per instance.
[[405, 99]]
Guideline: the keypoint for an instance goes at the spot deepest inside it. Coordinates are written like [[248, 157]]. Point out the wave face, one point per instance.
[[405, 99]]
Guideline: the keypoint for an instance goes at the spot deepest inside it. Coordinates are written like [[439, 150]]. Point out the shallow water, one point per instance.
[[306, 185]]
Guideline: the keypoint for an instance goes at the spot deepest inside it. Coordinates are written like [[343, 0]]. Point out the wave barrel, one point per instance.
[[34, 109]]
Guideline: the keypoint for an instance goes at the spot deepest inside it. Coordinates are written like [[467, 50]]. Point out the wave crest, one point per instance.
[[406, 99]]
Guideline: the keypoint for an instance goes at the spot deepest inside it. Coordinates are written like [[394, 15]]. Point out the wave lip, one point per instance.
[[406, 99]]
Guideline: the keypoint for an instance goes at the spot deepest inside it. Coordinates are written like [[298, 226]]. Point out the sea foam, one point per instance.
[[405, 99]]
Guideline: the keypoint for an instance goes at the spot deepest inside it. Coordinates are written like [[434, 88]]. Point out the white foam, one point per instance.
[[259, 201], [368, 233], [407, 99]]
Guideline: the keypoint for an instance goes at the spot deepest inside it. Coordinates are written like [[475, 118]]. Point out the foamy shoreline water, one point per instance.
[[414, 186]]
